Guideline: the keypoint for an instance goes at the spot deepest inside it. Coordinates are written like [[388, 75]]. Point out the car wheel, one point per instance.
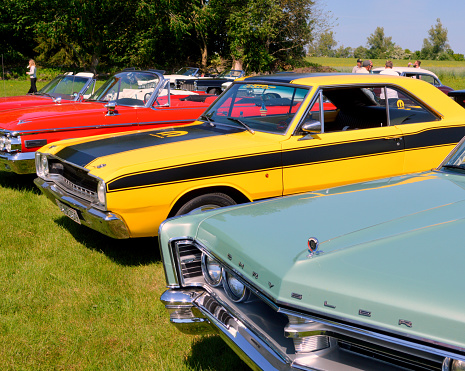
[[205, 202]]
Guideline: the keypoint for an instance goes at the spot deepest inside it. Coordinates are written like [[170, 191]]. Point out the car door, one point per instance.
[[354, 144]]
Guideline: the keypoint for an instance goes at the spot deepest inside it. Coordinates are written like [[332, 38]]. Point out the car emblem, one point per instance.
[[405, 322], [313, 246], [101, 165]]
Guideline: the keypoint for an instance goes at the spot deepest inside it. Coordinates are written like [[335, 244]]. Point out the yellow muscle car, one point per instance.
[[266, 136]]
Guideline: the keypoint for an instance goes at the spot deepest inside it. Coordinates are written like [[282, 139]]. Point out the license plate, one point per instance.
[[69, 212]]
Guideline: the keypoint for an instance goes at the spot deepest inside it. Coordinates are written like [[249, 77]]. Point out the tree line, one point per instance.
[[255, 35], [379, 46]]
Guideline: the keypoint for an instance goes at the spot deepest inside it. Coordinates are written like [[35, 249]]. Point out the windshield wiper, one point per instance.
[[207, 117], [249, 129]]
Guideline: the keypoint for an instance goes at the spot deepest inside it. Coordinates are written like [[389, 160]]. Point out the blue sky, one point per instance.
[[406, 21]]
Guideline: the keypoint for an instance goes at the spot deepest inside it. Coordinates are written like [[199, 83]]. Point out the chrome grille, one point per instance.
[[188, 259], [74, 180], [187, 85], [73, 188]]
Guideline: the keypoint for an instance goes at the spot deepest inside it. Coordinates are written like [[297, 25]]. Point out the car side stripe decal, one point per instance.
[[289, 158], [201, 170]]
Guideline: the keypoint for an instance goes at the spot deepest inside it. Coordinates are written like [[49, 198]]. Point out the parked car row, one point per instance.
[[338, 278], [210, 85], [129, 100], [419, 73]]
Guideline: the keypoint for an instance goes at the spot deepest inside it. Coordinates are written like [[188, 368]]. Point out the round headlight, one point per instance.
[[235, 289], [101, 192], [44, 165], [2, 143], [453, 365], [212, 271]]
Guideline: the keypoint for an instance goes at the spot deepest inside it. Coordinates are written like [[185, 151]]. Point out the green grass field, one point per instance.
[[72, 299]]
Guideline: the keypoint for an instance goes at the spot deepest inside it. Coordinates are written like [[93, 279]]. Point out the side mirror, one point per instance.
[[312, 127], [111, 108]]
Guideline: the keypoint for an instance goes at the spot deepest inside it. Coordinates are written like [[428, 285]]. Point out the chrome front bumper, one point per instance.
[[106, 223], [190, 316], [196, 311], [19, 163]]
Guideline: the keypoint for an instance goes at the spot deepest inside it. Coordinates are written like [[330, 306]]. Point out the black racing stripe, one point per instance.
[[202, 170], [256, 162], [434, 137], [84, 153], [294, 157], [339, 151]]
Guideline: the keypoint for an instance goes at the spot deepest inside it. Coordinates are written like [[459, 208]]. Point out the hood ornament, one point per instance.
[[313, 246]]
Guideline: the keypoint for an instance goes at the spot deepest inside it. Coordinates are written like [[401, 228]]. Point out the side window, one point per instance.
[[366, 107], [405, 109], [349, 108], [429, 79]]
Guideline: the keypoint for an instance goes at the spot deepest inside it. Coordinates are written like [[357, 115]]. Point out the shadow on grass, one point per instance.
[[128, 252], [212, 353], [19, 182]]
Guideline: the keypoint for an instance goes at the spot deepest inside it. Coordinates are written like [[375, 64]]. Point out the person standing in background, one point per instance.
[[358, 66], [33, 76], [366, 67]]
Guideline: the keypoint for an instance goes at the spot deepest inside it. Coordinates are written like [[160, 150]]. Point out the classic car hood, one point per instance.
[[24, 100], [188, 146], [52, 115], [379, 243]]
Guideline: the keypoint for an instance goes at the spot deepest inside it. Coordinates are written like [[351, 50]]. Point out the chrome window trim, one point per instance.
[[321, 88], [303, 106]]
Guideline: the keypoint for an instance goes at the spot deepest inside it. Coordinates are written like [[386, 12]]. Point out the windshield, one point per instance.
[[261, 107], [133, 88], [187, 71], [230, 73], [455, 161], [65, 86]]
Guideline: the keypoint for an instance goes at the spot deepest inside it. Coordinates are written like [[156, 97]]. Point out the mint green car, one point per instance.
[[366, 276]]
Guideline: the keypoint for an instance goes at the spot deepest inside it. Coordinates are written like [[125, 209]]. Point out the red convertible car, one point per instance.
[[66, 88], [129, 100]]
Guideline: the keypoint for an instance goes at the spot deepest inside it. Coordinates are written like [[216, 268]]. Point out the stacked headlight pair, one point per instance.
[[215, 275]]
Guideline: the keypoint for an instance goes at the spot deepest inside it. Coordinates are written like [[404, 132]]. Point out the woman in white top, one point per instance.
[[33, 76]]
